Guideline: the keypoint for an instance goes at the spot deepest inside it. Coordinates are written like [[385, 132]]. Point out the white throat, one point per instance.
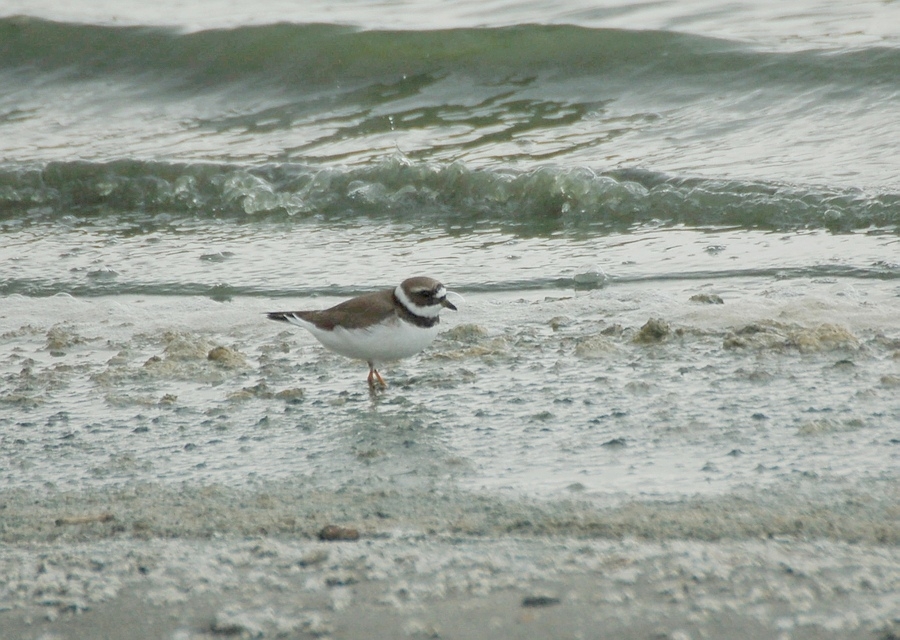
[[423, 312]]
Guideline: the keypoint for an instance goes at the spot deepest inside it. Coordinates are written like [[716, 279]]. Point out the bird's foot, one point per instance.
[[375, 380]]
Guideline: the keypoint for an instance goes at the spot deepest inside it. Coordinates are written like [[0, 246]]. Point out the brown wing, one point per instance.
[[352, 314]]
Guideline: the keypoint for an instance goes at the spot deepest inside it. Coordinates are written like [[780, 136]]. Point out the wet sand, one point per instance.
[[151, 562], [717, 471]]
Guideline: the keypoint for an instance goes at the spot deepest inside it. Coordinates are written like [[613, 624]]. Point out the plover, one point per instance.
[[378, 327]]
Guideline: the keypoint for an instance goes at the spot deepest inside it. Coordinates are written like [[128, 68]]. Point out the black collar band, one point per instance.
[[424, 322]]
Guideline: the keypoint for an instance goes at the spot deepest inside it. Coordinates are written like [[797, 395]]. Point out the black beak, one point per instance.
[[448, 304]]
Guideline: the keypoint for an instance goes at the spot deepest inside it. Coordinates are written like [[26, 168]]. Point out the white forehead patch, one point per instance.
[[440, 293]]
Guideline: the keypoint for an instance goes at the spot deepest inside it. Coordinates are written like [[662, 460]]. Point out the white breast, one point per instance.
[[391, 340]]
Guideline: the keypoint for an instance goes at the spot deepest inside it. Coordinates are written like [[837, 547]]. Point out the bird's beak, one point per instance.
[[446, 303]]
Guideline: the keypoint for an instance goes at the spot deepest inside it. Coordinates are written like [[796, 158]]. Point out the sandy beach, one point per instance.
[[152, 563]]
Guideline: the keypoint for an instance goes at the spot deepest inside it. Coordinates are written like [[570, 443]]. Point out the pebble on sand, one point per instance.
[[333, 532]]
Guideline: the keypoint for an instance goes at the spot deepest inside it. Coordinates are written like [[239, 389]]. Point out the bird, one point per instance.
[[378, 327]]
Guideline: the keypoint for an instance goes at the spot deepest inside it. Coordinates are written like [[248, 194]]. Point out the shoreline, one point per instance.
[[203, 562], [452, 587]]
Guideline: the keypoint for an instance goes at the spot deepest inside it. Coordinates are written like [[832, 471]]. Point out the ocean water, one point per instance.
[[676, 226]]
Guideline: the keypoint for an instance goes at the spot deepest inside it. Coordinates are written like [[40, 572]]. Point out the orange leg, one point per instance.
[[374, 375]]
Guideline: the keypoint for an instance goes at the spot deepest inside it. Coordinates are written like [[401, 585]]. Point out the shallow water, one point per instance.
[[537, 391]]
